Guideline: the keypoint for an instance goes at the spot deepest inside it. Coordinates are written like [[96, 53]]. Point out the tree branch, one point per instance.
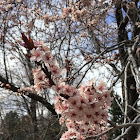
[[12, 87], [129, 125]]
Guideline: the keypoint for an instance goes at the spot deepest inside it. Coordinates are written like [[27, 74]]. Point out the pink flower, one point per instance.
[[62, 120], [91, 99], [82, 131], [74, 101], [75, 92], [66, 12], [36, 55], [83, 101], [65, 106], [84, 110], [107, 97], [104, 115], [65, 136], [56, 99], [91, 133], [97, 115], [73, 115], [59, 87], [36, 70], [58, 108], [94, 106], [47, 57], [83, 88], [90, 91], [46, 83], [55, 71], [70, 125], [86, 124], [100, 99], [39, 88], [101, 86], [39, 77], [68, 90], [70, 134], [80, 109], [89, 117], [40, 43], [80, 137]]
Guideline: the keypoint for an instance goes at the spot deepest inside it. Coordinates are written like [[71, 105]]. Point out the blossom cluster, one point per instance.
[[48, 19], [42, 54], [80, 11], [75, 13], [83, 110]]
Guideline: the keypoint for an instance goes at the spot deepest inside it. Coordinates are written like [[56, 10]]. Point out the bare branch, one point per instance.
[[35, 97]]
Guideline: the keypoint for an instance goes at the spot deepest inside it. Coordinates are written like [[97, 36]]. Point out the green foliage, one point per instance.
[[14, 127], [116, 117]]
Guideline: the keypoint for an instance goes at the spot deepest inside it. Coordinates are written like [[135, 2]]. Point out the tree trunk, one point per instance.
[[132, 94], [132, 98]]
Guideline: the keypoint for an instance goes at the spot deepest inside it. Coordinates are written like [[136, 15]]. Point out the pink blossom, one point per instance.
[[91, 133], [36, 55], [82, 131], [73, 115], [66, 12], [56, 99], [65, 106], [39, 77], [85, 110], [58, 108], [75, 101], [80, 109], [80, 137], [91, 99], [90, 91], [100, 99], [59, 87], [39, 88], [107, 97], [71, 134], [70, 125], [55, 71], [101, 86], [75, 92], [36, 70], [94, 106], [104, 115], [88, 116], [83, 101], [65, 136], [68, 90], [62, 120], [47, 57]]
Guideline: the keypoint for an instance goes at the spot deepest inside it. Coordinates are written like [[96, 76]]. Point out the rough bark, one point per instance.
[[131, 84]]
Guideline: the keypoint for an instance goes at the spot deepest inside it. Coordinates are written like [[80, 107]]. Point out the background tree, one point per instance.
[[116, 116], [84, 36]]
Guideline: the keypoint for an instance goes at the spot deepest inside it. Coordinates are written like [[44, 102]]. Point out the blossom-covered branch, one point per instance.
[[83, 109]]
